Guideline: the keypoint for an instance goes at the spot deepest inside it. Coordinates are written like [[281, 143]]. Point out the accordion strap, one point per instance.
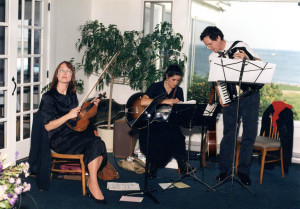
[[231, 47]]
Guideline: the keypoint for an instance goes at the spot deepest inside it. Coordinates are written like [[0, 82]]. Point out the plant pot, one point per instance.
[[107, 136]]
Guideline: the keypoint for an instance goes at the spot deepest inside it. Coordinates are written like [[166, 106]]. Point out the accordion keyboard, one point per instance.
[[224, 93]]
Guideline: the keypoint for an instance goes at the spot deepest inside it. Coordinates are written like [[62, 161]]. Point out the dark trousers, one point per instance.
[[248, 112], [165, 142]]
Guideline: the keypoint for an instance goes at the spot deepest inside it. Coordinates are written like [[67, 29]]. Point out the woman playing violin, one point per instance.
[[59, 105], [165, 141]]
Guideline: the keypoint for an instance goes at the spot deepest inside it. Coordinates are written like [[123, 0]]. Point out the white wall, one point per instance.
[[65, 18], [127, 15], [203, 13]]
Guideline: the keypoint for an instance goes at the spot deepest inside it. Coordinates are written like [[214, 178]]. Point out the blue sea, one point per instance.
[[287, 69]]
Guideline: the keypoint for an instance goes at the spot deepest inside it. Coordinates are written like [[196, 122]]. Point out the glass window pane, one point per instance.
[[26, 98], [20, 13], [147, 20], [18, 129], [28, 12], [2, 131], [2, 107], [200, 61], [2, 10], [155, 13], [27, 41], [26, 126], [37, 13], [2, 40], [27, 70], [2, 72], [36, 69], [158, 13], [37, 41], [18, 99], [36, 96], [19, 40], [19, 64]]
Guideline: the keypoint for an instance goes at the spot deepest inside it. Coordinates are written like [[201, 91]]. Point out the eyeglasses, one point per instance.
[[67, 71]]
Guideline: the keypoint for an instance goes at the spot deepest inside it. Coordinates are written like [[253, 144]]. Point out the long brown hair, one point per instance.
[[71, 86]]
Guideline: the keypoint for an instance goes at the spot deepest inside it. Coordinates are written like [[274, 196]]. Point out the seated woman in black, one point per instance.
[[165, 141], [60, 104]]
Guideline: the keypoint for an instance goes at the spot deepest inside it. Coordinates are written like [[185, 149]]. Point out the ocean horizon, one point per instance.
[[287, 70]]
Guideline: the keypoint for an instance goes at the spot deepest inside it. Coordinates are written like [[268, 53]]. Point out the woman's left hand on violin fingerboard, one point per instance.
[[96, 101]]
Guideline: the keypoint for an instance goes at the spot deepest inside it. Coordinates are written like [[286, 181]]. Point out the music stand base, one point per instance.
[[233, 177], [189, 171], [143, 193]]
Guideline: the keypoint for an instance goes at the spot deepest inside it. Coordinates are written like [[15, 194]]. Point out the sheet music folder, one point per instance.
[[187, 115]]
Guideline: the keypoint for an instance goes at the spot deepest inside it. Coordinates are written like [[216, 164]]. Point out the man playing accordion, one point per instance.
[[213, 38]]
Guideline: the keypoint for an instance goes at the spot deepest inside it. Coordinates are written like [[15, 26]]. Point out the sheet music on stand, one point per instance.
[[223, 69], [193, 114], [209, 110]]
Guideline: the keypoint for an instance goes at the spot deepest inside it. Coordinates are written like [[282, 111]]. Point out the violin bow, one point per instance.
[[105, 70]]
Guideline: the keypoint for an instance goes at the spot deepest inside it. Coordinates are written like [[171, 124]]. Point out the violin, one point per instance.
[[87, 111]]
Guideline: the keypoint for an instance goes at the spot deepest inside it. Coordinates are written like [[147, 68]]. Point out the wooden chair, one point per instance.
[[65, 159], [265, 144]]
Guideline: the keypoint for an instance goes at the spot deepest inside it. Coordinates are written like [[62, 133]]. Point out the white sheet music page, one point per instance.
[[115, 186], [222, 69], [188, 102], [209, 110]]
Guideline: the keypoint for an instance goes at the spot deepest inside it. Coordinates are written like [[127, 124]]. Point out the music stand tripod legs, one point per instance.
[[145, 191], [188, 170], [232, 175]]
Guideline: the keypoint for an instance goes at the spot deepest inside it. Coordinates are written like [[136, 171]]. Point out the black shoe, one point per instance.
[[245, 179], [90, 195], [221, 176]]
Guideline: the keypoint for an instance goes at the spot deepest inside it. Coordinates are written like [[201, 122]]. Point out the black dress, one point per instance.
[[165, 141], [65, 140]]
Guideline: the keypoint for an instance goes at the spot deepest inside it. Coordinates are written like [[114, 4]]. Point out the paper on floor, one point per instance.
[[131, 199], [181, 185], [166, 185], [115, 186]]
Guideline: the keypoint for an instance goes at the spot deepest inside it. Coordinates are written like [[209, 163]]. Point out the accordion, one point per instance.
[[230, 91]]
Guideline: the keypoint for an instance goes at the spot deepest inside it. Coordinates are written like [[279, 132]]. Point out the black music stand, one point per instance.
[[189, 115], [233, 175], [145, 119]]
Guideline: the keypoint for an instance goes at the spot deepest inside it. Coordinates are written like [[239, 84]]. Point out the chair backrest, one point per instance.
[[284, 122], [273, 132]]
